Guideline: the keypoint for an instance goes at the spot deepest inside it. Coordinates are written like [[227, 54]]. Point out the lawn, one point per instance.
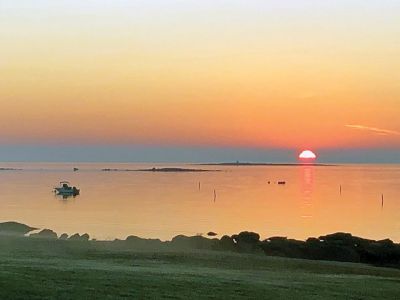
[[55, 269]]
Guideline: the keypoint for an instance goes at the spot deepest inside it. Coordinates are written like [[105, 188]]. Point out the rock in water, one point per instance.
[[14, 228], [77, 237], [45, 233], [64, 236]]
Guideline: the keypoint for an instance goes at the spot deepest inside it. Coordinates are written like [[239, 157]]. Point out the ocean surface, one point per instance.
[[316, 200]]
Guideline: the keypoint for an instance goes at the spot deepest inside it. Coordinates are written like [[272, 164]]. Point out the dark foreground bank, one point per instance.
[[339, 246], [45, 266]]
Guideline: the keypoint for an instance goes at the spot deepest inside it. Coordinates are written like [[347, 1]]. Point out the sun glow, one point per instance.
[[307, 154]]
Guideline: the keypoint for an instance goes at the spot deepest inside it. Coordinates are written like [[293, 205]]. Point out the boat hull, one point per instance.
[[64, 191]]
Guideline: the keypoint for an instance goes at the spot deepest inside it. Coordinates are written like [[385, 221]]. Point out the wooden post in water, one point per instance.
[[199, 186], [382, 201], [215, 195], [340, 189]]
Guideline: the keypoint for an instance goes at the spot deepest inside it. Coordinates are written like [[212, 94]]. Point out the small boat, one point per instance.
[[66, 190], [76, 169]]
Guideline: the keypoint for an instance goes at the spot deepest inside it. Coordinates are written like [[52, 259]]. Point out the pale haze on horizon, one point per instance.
[[201, 79]]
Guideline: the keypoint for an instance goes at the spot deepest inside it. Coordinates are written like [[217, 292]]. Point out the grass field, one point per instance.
[[54, 269]]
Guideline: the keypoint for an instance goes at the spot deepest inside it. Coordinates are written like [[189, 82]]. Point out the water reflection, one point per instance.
[[65, 197], [160, 205], [307, 181], [307, 186]]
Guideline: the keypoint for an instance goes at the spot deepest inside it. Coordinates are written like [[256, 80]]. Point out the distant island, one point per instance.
[[172, 170], [9, 169], [262, 164]]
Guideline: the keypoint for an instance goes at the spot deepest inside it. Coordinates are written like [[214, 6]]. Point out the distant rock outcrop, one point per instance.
[[338, 246], [136, 241], [74, 237], [14, 228], [247, 241], [197, 242], [171, 170], [45, 233], [226, 243], [174, 170], [77, 237], [64, 236]]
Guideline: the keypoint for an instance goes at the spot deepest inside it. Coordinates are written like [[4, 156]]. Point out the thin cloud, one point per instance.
[[375, 130]]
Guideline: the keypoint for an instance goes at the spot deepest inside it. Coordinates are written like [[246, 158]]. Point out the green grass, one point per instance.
[[42, 269]]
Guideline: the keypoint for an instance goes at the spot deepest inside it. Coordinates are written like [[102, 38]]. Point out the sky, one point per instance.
[[206, 80]]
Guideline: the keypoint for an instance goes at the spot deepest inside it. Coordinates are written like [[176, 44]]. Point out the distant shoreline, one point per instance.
[[165, 170], [244, 164]]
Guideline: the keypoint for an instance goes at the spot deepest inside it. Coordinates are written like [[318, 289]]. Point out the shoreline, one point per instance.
[[48, 266], [339, 246], [160, 170], [250, 164]]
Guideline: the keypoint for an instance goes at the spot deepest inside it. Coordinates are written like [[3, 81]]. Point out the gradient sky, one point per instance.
[[189, 74]]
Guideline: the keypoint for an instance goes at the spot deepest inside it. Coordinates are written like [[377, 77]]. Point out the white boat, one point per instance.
[[66, 190]]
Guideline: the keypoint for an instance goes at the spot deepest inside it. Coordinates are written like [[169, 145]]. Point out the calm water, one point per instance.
[[162, 205]]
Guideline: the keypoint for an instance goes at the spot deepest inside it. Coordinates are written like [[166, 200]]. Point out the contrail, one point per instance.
[[379, 131]]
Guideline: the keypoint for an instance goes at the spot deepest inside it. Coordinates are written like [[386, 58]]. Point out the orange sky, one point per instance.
[[183, 73]]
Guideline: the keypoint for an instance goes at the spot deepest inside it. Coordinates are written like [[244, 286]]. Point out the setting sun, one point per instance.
[[145, 138], [307, 154]]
